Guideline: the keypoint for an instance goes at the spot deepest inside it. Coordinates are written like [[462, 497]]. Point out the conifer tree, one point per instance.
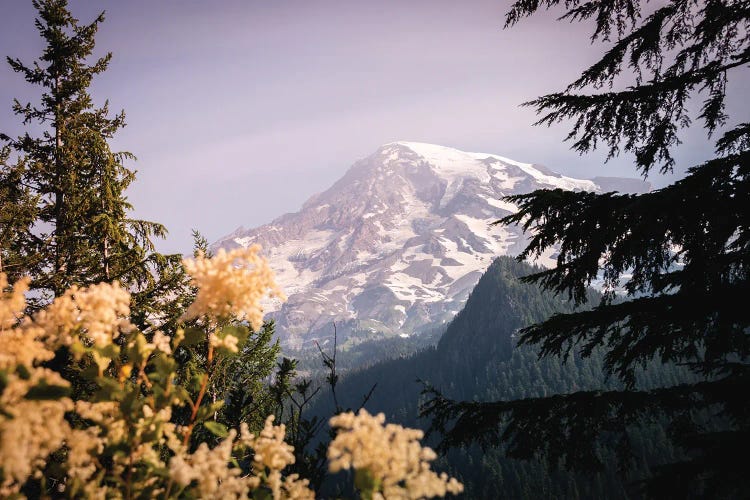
[[16, 215], [68, 184], [682, 253]]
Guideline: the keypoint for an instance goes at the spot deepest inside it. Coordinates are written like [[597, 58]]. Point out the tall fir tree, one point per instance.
[[682, 253], [67, 183]]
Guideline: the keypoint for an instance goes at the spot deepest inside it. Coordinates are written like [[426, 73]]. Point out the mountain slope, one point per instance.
[[477, 359], [399, 241]]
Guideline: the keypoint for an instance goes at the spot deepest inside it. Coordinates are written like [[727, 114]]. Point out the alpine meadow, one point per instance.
[[430, 321]]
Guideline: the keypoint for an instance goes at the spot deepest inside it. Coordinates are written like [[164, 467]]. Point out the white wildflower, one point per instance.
[[231, 284]]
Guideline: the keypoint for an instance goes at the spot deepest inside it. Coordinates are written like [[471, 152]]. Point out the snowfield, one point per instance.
[[399, 241]]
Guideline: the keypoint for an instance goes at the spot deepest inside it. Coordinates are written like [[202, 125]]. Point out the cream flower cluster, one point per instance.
[[19, 344], [32, 429], [34, 411], [150, 432], [231, 284], [160, 342], [398, 465], [271, 456], [97, 314], [208, 467], [229, 342], [29, 430], [13, 302]]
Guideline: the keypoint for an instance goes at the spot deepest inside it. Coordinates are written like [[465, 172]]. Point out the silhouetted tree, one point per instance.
[[70, 223], [681, 252]]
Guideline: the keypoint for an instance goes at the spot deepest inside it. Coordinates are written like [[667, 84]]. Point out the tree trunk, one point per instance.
[[60, 225], [105, 242]]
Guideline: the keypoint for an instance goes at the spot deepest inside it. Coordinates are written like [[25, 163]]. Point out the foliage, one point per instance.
[[296, 396], [125, 373], [478, 359], [682, 252], [388, 459], [126, 439], [16, 214], [69, 224]]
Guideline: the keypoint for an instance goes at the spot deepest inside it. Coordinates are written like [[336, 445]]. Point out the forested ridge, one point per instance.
[[478, 359]]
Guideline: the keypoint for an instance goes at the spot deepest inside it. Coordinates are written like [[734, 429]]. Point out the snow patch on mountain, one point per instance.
[[396, 245]]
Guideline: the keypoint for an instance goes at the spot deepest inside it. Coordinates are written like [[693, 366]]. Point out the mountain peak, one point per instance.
[[445, 153], [453, 162], [396, 244]]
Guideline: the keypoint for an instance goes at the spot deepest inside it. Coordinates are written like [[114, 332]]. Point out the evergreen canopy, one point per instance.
[[682, 253], [69, 221]]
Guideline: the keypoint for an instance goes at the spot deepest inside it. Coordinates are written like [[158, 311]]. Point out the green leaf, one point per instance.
[[152, 433], [193, 336], [217, 429], [43, 391], [205, 412], [90, 372], [365, 483], [164, 367], [109, 390], [262, 493], [136, 351], [77, 349], [131, 401], [195, 382], [23, 372], [110, 351], [181, 393]]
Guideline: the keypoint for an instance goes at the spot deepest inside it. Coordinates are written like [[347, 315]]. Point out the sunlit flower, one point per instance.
[[271, 456], [210, 470], [13, 302], [97, 314], [229, 342], [161, 342], [231, 284], [19, 344], [29, 429], [398, 465]]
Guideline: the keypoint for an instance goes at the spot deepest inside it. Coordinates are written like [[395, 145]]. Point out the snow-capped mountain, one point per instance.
[[396, 245]]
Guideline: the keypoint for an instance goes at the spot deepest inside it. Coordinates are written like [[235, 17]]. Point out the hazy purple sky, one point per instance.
[[239, 110]]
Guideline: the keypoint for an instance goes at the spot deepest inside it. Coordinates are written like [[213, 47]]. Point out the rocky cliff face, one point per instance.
[[396, 245]]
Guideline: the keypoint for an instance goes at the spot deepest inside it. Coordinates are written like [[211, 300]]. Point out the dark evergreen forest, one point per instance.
[[477, 359]]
